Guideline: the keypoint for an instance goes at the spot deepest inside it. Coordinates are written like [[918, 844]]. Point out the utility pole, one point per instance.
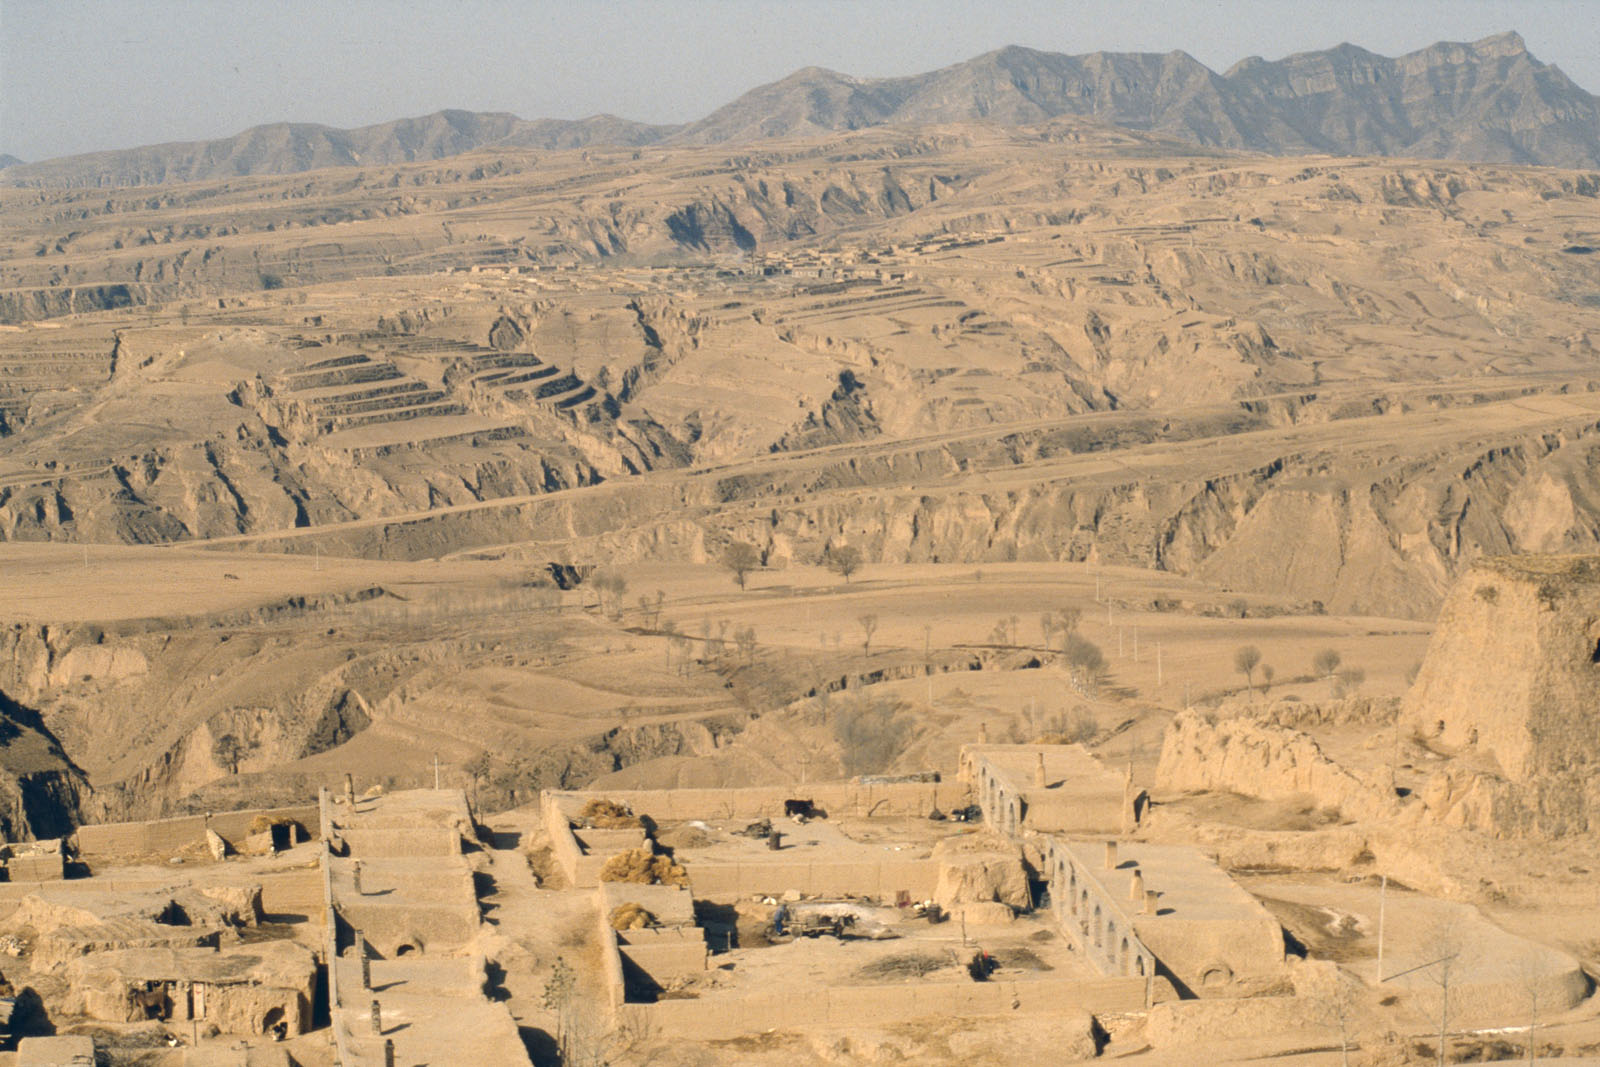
[[1136, 642], [436, 774], [1158, 664], [1383, 892]]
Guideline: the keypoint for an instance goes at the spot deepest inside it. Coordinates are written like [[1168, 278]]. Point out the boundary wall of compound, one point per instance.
[[856, 798], [725, 1014], [886, 876], [169, 835], [880, 878]]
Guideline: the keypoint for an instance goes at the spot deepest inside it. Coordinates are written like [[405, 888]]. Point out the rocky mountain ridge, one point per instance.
[[1485, 101]]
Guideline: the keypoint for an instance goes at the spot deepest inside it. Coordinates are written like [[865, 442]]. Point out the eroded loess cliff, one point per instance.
[[43, 794]]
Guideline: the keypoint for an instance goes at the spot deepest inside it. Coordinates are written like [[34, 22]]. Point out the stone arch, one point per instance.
[[272, 1018], [1122, 957], [1097, 932]]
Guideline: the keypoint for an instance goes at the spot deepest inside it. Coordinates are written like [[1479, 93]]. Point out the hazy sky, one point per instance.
[[81, 75]]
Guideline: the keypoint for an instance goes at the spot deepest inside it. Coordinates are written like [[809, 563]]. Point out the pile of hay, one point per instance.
[[904, 967], [609, 815], [631, 916], [263, 823], [640, 866]]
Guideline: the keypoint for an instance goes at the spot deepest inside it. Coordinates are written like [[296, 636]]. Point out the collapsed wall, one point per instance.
[[1512, 677], [1241, 755]]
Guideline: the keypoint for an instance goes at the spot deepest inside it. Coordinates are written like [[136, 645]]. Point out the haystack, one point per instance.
[[642, 867], [609, 815], [630, 916]]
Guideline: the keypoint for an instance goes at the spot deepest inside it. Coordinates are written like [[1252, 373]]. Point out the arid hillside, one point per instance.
[[1332, 380]]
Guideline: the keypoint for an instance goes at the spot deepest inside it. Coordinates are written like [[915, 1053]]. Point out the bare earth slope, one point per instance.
[[1066, 342]]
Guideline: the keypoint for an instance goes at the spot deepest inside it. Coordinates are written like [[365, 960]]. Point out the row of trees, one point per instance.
[[1345, 681], [741, 557]]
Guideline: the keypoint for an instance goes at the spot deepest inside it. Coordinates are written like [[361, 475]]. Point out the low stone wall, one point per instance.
[[727, 1015], [39, 867], [914, 799], [172, 835], [882, 878]]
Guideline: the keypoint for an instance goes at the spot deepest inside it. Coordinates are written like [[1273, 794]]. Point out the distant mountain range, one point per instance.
[[1489, 101]]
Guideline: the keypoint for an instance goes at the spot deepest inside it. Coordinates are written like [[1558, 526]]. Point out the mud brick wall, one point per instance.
[[881, 878], [171, 835], [914, 799], [726, 1015]]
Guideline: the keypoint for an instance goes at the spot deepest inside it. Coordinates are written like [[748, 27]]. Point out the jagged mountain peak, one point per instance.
[[1489, 100]]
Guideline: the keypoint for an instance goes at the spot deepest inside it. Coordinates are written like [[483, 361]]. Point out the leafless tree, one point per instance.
[[745, 639], [844, 560], [741, 557], [869, 626], [1337, 1009], [1348, 681], [1245, 661], [670, 629]]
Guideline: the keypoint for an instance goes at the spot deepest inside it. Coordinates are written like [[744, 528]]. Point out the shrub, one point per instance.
[[871, 735]]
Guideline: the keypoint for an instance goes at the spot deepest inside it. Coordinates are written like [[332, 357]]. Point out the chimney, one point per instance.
[[1136, 888], [1038, 770], [1111, 855], [983, 733], [1150, 896], [350, 790]]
